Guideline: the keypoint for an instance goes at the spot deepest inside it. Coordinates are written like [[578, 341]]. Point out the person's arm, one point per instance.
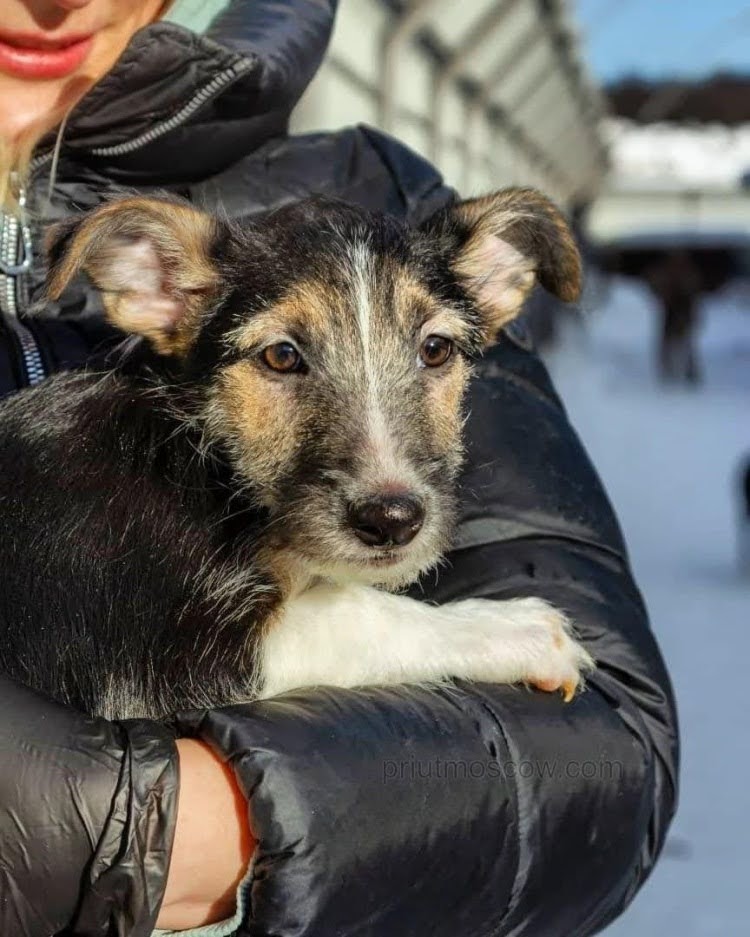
[[212, 842], [475, 808], [87, 810], [401, 810]]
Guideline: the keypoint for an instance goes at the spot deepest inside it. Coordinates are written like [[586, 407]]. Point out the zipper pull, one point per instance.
[[21, 262]]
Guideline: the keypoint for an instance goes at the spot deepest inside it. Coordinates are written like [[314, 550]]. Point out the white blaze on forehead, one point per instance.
[[361, 264], [383, 455]]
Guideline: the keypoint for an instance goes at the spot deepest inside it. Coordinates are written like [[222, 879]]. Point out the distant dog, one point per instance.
[[217, 518]]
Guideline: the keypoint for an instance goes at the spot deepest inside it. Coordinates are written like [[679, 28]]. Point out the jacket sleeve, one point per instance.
[[476, 809], [405, 810], [479, 809], [87, 807], [87, 813]]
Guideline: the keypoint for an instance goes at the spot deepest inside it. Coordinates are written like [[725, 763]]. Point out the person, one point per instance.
[[381, 811], [676, 283], [743, 518]]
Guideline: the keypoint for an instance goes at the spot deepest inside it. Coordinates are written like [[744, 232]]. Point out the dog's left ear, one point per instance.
[[151, 258], [500, 245]]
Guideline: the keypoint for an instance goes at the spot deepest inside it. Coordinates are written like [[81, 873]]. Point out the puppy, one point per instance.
[[227, 513]]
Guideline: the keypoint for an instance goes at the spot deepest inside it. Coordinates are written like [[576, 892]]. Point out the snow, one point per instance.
[[668, 156], [669, 459]]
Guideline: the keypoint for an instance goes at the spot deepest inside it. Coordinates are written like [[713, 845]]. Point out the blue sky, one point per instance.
[[660, 38]]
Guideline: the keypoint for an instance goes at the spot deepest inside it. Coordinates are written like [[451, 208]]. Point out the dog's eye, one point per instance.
[[435, 350], [282, 357]]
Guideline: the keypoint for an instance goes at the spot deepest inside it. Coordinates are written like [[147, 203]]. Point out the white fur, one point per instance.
[[355, 635], [347, 634], [381, 451]]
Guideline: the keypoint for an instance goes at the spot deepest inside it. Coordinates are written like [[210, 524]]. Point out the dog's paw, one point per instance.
[[526, 641], [562, 662]]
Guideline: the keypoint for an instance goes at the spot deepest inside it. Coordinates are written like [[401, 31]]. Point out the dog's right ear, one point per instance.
[[500, 245], [151, 260]]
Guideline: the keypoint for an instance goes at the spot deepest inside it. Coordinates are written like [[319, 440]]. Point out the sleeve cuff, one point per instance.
[[221, 928]]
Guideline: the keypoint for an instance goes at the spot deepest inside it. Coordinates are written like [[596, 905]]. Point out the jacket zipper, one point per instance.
[[217, 83], [15, 261], [15, 235]]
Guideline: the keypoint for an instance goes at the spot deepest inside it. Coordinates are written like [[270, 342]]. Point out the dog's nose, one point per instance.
[[387, 521]]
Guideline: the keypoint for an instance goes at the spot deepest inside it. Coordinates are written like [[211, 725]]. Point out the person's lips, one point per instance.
[[27, 56]]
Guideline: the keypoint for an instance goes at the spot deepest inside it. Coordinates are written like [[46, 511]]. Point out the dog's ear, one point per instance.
[[151, 259], [500, 245]]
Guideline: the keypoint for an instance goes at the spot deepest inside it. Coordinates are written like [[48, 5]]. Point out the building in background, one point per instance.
[[676, 198], [494, 92], [680, 153]]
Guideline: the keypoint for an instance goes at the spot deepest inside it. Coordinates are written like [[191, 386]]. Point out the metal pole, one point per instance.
[[483, 31], [507, 65], [532, 89], [410, 22], [470, 124], [530, 149]]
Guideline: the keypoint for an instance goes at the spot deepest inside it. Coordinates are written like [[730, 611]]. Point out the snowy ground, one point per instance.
[[669, 460], [677, 156]]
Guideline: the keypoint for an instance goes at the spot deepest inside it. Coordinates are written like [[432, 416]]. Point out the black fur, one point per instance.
[[121, 540], [115, 538], [129, 577]]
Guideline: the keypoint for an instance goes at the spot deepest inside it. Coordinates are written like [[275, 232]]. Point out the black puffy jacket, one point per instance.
[[397, 812]]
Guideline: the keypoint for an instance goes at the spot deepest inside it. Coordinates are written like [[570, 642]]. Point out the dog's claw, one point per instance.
[[568, 689], [564, 663]]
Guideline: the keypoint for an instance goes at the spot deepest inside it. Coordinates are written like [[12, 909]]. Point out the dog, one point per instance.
[[231, 511]]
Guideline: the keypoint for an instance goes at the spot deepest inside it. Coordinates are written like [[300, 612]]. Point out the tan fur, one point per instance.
[[517, 237], [159, 294], [445, 397], [413, 302], [415, 305], [261, 416], [306, 307], [363, 421]]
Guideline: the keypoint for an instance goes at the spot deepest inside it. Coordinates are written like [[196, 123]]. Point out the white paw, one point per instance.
[[523, 641], [354, 636]]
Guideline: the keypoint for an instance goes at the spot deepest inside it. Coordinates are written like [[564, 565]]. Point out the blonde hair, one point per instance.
[[15, 165]]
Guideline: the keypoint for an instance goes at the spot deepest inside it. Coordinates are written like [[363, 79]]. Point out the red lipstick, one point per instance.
[[28, 56]]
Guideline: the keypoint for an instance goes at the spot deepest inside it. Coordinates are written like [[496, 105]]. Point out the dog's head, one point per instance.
[[329, 349]]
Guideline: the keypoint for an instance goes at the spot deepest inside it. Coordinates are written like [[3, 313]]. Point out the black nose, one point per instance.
[[387, 521]]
